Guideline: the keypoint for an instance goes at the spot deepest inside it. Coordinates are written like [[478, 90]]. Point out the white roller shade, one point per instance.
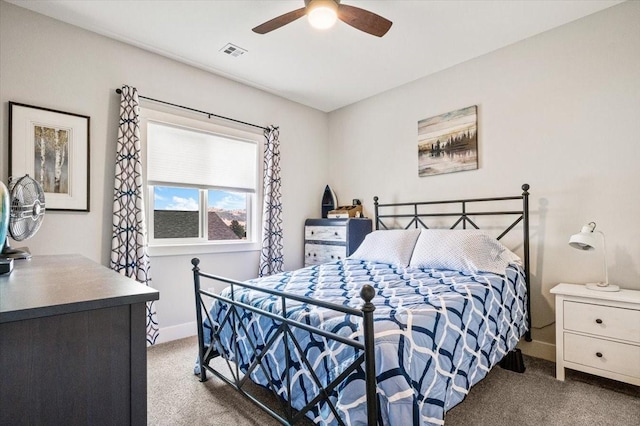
[[197, 158]]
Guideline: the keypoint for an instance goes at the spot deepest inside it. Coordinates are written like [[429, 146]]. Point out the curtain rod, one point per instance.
[[209, 114]]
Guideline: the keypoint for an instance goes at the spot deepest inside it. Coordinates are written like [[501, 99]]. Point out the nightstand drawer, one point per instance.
[[615, 357], [601, 320], [325, 233], [316, 254]]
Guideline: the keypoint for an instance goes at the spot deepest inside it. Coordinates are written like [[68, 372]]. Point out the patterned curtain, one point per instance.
[[271, 257], [128, 245]]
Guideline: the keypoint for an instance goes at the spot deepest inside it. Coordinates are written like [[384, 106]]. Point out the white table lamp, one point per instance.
[[586, 240]]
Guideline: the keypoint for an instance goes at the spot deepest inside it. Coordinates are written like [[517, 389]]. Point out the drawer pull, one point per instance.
[[598, 321], [335, 233], [312, 232], [599, 354]]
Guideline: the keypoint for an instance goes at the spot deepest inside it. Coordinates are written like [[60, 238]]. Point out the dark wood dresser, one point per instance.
[[72, 344]]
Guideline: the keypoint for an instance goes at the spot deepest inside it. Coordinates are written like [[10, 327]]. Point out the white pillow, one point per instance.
[[392, 246], [469, 251]]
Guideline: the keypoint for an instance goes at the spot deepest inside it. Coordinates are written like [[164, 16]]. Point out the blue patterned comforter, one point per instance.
[[437, 333]]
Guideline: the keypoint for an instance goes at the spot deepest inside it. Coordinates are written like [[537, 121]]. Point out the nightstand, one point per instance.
[[598, 332]]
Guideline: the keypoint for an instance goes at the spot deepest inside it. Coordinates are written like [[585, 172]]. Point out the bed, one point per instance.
[[397, 333]]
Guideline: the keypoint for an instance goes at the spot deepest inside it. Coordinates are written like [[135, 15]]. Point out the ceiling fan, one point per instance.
[[323, 14]]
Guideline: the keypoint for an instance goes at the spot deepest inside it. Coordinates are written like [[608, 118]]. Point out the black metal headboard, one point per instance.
[[459, 211]]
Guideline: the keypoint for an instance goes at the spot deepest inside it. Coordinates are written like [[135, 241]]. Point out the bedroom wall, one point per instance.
[[558, 111], [51, 64]]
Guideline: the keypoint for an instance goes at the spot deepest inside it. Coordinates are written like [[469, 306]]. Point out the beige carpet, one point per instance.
[[535, 398]]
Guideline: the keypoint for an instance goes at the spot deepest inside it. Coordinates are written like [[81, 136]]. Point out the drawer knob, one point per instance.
[[332, 256], [599, 354], [312, 232], [598, 321]]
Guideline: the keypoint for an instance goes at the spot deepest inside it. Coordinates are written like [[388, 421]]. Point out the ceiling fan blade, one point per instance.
[[364, 20], [279, 21]]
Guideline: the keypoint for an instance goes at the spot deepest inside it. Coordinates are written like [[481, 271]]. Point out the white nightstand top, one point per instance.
[[579, 290]]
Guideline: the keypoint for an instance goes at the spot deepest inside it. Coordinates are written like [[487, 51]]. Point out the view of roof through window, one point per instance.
[[176, 213]]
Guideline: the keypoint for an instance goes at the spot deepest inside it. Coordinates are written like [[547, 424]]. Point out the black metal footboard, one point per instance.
[[240, 380]]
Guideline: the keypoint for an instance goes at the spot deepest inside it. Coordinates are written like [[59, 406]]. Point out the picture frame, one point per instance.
[[448, 142], [52, 147]]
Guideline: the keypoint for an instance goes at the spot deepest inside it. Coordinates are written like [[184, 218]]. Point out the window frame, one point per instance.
[[201, 245]]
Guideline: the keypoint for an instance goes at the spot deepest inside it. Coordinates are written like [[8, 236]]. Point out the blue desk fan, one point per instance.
[[21, 214]]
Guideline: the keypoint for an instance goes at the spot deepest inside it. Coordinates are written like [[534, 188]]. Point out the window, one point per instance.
[[202, 182]]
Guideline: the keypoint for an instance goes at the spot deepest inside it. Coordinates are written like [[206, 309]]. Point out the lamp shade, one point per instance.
[[585, 239]]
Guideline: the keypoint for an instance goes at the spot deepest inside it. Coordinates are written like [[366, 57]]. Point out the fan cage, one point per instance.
[[27, 208]]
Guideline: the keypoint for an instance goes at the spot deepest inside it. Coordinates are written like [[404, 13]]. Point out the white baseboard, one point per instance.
[[176, 332], [538, 349]]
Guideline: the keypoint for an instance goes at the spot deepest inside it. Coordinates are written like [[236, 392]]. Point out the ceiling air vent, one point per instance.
[[233, 50]]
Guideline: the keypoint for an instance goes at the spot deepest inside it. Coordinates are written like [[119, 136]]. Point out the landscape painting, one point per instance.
[[448, 142], [52, 147]]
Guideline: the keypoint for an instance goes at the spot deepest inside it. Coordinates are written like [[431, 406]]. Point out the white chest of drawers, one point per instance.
[[329, 240], [598, 332]]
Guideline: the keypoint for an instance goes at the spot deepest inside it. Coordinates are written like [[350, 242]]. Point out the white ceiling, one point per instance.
[[322, 69]]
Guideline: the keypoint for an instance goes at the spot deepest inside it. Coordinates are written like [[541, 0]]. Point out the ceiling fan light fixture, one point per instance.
[[322, 14]]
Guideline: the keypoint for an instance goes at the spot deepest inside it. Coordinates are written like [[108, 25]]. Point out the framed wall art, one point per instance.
[[53, 148], [448, 142]]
